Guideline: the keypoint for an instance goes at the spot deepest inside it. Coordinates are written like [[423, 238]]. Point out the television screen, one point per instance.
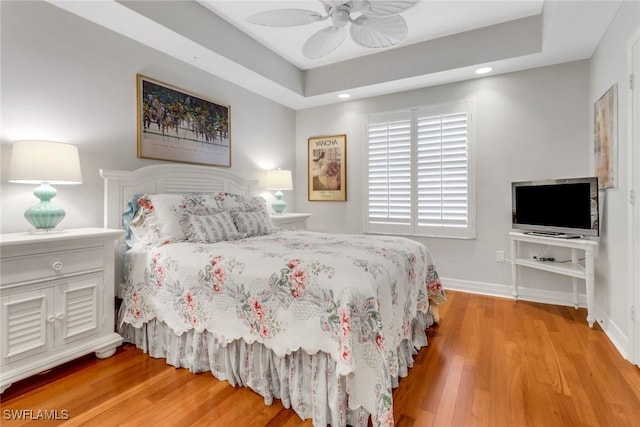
[[560, 206]]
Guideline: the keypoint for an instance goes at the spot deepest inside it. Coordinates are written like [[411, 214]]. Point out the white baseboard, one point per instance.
[[613, 332], [505, 291]]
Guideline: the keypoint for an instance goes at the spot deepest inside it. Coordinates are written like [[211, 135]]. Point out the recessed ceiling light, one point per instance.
[[344, 96], [483, 70]]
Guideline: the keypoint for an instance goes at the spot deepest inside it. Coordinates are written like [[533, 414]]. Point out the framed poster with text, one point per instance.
[[327, 168]]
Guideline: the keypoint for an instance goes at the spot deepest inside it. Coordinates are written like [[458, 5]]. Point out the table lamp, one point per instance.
[[44, 163], [279, 180]]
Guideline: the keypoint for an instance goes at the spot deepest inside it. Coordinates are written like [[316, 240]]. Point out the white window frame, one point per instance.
[[410, 226]]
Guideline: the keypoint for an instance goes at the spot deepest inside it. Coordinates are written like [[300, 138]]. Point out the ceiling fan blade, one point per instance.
[[333, 3], [324, 42], [358, 5], [285, 17], [379, 32], [387, 7]]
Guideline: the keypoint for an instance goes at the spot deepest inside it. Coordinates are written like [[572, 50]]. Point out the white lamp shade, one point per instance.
[[279, 179], [35, 162]]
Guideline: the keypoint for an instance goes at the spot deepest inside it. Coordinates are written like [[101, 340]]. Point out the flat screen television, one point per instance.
[[557, 207]]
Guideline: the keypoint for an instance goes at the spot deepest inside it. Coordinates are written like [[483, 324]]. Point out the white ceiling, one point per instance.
[[447, 41]]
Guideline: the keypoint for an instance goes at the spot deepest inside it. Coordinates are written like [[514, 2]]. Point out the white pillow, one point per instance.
[[229, 201], [208, 228], [157, 220], [252, 223]]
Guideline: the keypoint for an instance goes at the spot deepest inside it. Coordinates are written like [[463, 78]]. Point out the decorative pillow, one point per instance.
[[157, 220], [141, 226], [128, 215], [208, 228], [252, 223], [229, 201]]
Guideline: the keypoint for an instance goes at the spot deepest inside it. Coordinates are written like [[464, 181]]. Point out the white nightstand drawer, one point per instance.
[[51, 265], [291, 221]]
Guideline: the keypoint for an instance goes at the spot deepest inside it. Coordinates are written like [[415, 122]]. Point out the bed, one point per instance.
[[326, 323]]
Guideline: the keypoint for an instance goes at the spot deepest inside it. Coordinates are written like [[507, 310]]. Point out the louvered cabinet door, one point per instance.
[[27, 324], [78, 310]]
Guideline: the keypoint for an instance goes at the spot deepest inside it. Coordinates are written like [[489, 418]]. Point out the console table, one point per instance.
[[574, 268]]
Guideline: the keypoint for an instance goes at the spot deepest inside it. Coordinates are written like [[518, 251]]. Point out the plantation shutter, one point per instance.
[[442, 169], [389, 172], [419, 179]]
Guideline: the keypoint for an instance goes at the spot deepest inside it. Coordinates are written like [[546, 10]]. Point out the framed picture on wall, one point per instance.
[[605, 137], [327, 167], [181, 126]]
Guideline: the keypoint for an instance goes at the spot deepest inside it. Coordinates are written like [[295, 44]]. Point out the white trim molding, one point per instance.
[[506, 291]]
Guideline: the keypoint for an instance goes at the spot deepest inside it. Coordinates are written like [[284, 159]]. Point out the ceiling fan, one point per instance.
[[377, 24]]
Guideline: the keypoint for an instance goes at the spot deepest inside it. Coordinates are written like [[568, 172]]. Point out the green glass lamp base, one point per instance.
[[44, 216], [279, 205]]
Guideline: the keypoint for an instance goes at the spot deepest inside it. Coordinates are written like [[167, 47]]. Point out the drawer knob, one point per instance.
[[57, 266], [60, 316], [51, 319]]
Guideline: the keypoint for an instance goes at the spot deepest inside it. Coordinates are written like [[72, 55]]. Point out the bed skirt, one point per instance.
[[306, 383]]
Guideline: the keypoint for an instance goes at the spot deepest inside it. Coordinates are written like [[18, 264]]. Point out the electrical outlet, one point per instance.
[[499, 256]]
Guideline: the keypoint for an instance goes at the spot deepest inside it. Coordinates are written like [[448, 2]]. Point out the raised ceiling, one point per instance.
[[427, 20], [447, 41]]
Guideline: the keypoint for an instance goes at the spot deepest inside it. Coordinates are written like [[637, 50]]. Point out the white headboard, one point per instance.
[[120, 186]]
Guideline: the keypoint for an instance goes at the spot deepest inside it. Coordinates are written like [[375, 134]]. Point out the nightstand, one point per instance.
[[56, 299], [291, 221]]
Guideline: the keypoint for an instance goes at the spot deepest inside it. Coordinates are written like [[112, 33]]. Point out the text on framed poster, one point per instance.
[[327, 168]]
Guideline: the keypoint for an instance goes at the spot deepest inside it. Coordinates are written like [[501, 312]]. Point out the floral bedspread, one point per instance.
[[351, 296]]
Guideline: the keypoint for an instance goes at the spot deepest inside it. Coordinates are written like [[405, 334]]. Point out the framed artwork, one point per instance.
[[605, 137], [180, 126], [328, 168]]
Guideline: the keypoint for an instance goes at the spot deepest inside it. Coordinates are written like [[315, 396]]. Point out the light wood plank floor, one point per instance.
[[490, 362]]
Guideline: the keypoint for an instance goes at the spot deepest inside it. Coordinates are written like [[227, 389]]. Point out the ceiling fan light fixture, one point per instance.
[[340, 17]]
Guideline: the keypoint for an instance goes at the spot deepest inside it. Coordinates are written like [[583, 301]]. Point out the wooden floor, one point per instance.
[[491, 362]]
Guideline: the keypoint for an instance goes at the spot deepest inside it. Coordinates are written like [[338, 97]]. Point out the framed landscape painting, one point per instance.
[[180, 126], [328, 168]]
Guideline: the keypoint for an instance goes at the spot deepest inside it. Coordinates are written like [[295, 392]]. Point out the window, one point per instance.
[[419, 172]]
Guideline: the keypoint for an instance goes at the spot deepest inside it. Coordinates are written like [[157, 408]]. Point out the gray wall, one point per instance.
[[529, 125], [67, 79], [610, 65]]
